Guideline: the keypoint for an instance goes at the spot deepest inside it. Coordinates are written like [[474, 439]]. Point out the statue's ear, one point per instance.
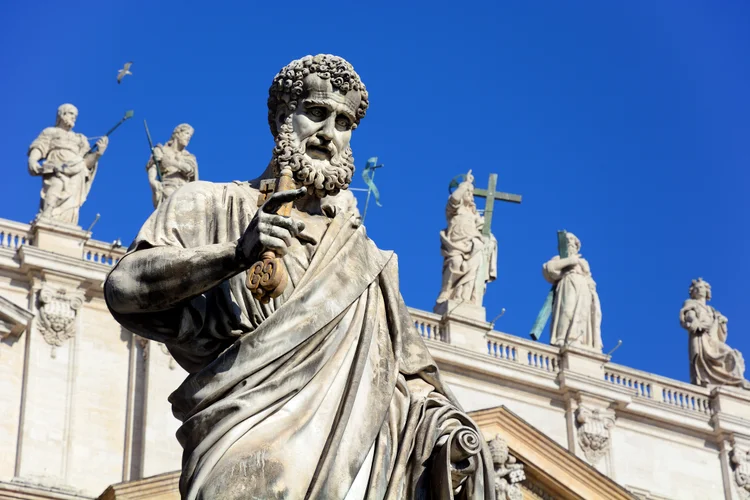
[[282, 112]]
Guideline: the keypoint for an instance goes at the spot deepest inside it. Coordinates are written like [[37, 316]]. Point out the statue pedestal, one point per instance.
[[58, 237], [463, 309], [583, 361], [465, 324]]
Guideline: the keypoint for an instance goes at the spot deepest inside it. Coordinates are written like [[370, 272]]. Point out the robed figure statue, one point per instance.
[[469, 257], [68, 166], [576, 311], [326, 391], [171, 165], [712, 361]]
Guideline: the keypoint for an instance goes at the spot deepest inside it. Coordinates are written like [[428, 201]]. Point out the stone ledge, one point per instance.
[[467, 361], [160, 487], [22, 490], [33, 258]]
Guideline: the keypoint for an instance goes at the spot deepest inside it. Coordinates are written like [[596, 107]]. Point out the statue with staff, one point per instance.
[[67, 164], [171, 165]]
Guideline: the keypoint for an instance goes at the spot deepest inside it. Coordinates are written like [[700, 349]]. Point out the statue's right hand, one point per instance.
[[269, 230], [35, 168], [158, 154]]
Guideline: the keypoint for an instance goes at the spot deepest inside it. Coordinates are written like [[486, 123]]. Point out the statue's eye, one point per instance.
[[317, 112], [343, 123]]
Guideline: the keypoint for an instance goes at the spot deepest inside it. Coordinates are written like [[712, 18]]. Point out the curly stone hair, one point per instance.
[[287, 86]]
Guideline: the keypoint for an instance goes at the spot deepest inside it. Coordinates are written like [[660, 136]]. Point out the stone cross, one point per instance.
[[490, 195]]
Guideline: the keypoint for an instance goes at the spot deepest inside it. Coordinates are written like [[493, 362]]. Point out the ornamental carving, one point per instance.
[[508, 473], [740, 457], [58, 310], [594, 432]]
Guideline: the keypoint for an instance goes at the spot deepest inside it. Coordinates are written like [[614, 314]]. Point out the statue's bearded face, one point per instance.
[[183, 137], [314, 142], [66, 116]]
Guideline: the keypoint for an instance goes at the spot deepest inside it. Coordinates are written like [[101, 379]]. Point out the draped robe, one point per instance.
[[712, 361], [326, 392], [176, 169], [465, 249], [63, 193], [576, 311]]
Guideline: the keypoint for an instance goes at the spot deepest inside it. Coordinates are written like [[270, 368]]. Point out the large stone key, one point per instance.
[[267, 278]]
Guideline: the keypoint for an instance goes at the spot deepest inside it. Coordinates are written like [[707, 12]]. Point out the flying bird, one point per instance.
[[124, 71]]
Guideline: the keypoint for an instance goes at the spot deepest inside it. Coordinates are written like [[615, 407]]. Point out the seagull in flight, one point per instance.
[[124, 71]]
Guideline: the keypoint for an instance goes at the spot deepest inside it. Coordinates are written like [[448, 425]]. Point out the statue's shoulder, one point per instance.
[[691, 304], [49, 132], [216, 193]]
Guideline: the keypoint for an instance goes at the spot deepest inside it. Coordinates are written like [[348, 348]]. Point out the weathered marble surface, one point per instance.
[[576, 312], [66, 168], [712, 361], [465, 249], [177, 166], [328, 390]]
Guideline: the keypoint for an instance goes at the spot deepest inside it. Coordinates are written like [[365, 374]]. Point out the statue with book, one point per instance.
[[573, 301], [307, 378]]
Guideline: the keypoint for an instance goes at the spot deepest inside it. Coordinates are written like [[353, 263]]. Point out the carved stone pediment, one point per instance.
[[13, 319], [58, 310]]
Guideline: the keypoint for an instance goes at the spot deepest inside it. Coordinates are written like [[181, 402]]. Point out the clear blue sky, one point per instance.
[[627, 123]]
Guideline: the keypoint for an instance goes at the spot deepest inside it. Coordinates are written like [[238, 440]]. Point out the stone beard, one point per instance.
[[322, 177]]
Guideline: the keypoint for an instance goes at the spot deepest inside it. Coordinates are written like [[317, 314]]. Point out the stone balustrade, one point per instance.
[[428, 325], [525, 352], [14, 234], [672, 393], [102, 253]]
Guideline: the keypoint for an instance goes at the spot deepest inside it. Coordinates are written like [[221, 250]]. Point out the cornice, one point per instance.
[[32, 258]]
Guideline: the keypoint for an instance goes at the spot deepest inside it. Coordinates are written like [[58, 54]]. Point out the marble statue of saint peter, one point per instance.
[[326, 391]]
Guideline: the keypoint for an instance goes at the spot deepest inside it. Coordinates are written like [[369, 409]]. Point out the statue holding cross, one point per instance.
[[468, 247]]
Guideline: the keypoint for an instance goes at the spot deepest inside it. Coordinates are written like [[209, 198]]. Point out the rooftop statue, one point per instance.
[[68, 166], [171, 165], [712, 361]]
